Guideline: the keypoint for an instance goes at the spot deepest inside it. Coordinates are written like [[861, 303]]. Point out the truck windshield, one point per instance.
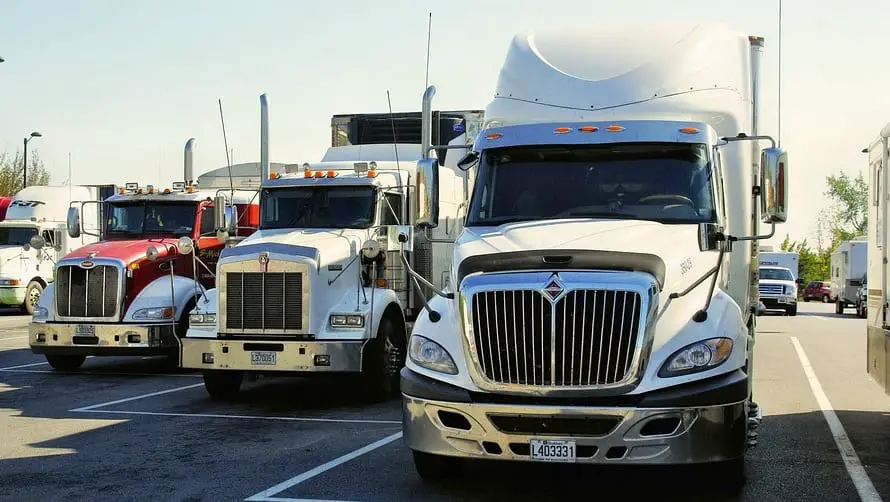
[[16, 236], [318, 207], [153, 218], [664, 182], [776, 274]]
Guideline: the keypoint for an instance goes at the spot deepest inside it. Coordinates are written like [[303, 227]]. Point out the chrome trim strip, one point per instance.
[[115, 316]]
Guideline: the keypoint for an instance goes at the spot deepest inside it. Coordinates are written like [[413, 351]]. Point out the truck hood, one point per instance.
[[9, 257], [332, 245], [676, 245], [128, 251]]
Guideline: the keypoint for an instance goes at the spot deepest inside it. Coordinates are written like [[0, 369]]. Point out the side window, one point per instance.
[[207, 220], [387, 217], [49, 238], [718, 176]]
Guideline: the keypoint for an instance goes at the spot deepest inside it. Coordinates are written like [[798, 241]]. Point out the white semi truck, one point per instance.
[[878, 289], [849, 263], [39, 211], [322, 287], [602, 296]]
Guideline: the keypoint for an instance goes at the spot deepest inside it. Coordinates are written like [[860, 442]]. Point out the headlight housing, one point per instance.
[[430, 355], [40, 313], [347, 321], [154, 313], [9, 282], [697, 357], [202, 319]]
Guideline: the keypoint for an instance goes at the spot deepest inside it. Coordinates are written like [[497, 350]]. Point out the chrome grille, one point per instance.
[[771, 289], [586, 338], [264, 300], [87, 293]]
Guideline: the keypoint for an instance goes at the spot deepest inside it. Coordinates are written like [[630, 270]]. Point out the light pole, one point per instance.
[[34, 134]]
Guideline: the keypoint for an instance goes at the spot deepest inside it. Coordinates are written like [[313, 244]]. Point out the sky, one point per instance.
[[121, 86]]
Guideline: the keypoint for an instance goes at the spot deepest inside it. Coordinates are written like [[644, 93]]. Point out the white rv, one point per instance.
[[848, 267], [877, 287], [26, 271], [323, 286], [602, 296]]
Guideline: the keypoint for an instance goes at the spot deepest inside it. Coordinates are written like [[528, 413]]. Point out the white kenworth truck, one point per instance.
[[322, 286], [601, 309]]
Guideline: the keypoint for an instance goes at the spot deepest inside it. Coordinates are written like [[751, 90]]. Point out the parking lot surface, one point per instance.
[[136, 429]]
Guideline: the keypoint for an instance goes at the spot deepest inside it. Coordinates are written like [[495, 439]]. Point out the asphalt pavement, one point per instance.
[[133, 429]]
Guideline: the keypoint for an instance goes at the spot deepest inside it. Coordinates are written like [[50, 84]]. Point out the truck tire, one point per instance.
[[65, 362], [223, 385], [436, 468], [382, 360], [792, 310], [730, 475], [824, 298], [32, 296]]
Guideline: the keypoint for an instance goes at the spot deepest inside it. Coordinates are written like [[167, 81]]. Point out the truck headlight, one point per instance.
[[40, 313], [202, 319], [698, 356], [429, 354], [154, 313], [347, 321], [9, 282]]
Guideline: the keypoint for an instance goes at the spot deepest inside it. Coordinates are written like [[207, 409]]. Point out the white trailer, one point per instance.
[[878, 289], [782, 259], [849, 263], [26, 263], [604, 285], [323, 286]]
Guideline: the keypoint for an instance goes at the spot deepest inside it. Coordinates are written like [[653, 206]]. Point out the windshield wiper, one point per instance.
[[604, 214]]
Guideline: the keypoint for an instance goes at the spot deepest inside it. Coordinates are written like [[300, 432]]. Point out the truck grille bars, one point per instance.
[[88, 293], [257, 300]]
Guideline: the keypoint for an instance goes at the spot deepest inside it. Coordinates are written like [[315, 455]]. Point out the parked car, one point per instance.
[[818, 291]]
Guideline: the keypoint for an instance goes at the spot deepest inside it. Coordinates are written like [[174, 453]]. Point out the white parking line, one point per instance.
[[13, 338], [267, 495], [861, 481], [247, 417], [23, 366], [103, 373], [136, 398]]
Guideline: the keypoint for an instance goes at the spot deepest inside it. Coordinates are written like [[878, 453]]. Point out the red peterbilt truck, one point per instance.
[[131, 292]]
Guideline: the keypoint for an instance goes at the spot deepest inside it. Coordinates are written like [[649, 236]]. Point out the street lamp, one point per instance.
[[34, 134], [2, 60]]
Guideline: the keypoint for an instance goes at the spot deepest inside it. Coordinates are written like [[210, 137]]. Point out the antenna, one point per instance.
[[780, 75], [429, 31], [392, 121], [226, 144]]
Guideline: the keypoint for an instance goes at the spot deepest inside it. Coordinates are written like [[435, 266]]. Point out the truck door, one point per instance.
[[208, 246]]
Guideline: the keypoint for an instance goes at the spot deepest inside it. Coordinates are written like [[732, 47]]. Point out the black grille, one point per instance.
[[271, 300], [87, 292], [589, 337]]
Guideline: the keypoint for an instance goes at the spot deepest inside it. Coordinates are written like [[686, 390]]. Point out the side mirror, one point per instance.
[[774, 185], [219, 213], [57, 240], [427, 193], [799, 281], [73, 222], [469, 160], [230, 219], [38, 242], [707, 237]]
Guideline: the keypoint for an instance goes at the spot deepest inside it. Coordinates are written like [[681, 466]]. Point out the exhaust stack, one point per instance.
[[188, 165], [426, 123], [265, 169]]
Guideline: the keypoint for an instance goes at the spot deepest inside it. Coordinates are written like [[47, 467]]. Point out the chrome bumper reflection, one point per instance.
[[54, 337], [602, 435], [256, 355]]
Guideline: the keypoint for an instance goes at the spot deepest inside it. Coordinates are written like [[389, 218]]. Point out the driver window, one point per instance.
[[387, 217], [49, 238], [207, 221]]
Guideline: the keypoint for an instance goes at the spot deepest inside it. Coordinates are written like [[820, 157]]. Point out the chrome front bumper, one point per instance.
[[602, 434], [101, 339], [272, 356]]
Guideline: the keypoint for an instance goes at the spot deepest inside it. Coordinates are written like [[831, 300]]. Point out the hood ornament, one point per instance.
[[554, 288], [264, 261], [91, 255]]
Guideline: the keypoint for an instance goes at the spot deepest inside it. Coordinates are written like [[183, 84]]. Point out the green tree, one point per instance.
[[11, 171], [847, 215]]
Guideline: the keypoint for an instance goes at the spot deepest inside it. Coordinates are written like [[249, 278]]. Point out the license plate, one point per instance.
[[263, 357], [85, 329], [551, 450]]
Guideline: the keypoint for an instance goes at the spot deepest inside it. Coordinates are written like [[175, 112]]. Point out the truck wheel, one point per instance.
[[382, 361], [64, 362], [824, 298], [32, 296], [436, 468], [223, 385], [792, 310]]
